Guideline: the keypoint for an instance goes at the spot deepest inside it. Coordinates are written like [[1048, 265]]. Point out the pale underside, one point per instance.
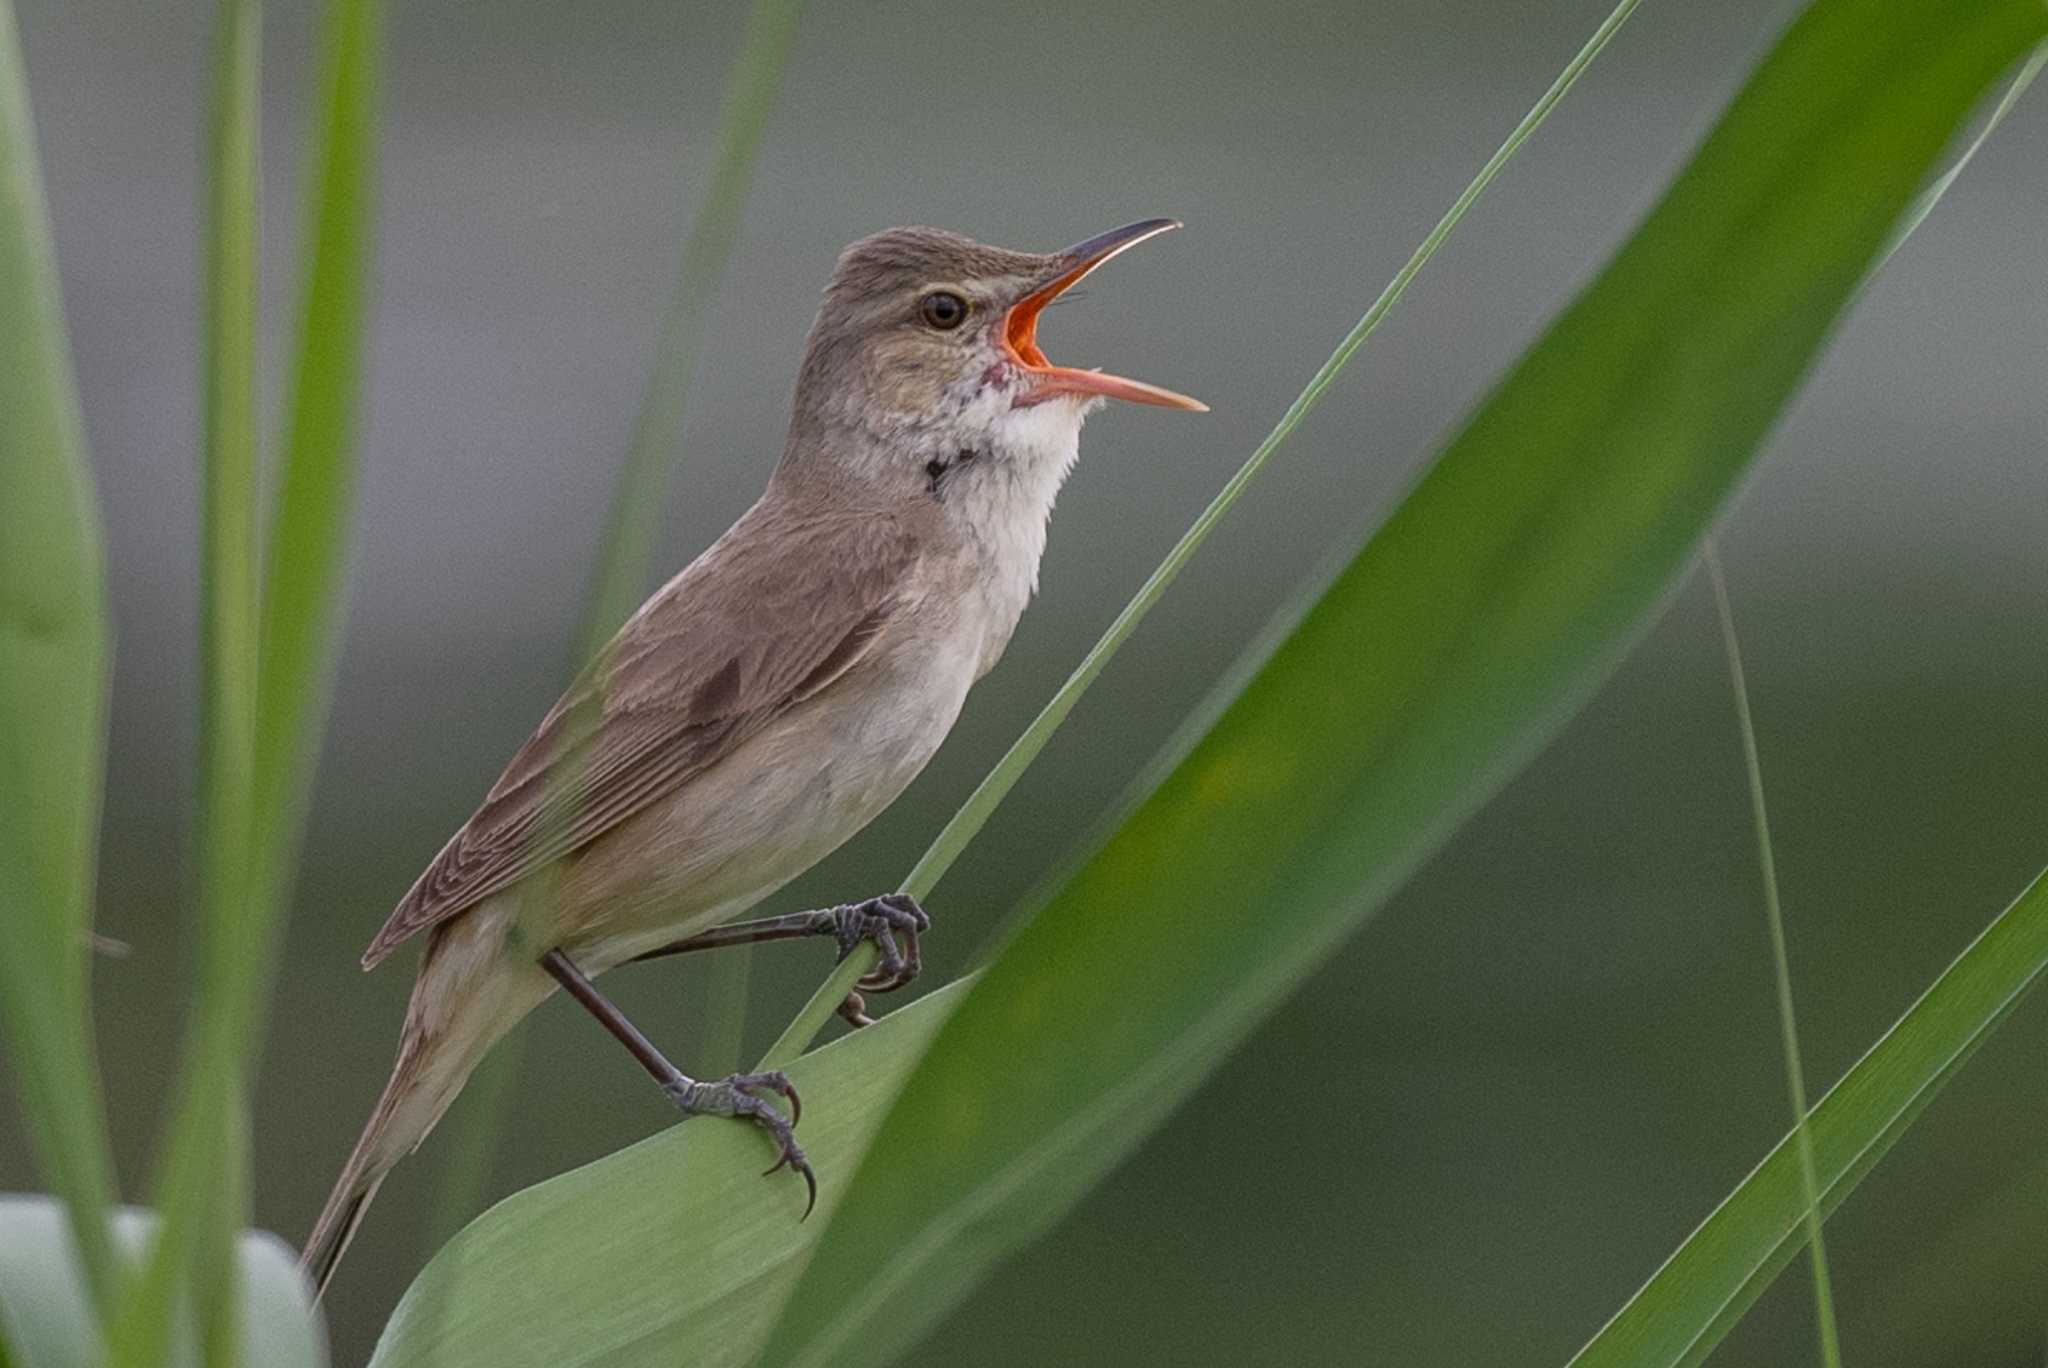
[[755, 713]]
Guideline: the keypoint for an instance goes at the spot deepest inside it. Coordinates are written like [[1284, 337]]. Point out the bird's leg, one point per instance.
[[886, 920], [737, 1095]]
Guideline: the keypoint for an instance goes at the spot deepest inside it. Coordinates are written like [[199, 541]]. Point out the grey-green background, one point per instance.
[[1473, 1134]]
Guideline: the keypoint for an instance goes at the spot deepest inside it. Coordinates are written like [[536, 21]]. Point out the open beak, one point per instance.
[[1018, 331]]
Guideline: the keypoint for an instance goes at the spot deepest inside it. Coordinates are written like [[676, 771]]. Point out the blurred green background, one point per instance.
[[1476, 1131]]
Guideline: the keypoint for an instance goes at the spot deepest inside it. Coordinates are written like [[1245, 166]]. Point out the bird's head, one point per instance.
[[926, 347]]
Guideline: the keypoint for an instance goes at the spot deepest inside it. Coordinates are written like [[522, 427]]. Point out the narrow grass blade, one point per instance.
[[1718, 1273], [1493, 599], [641, 493], [642, 489], [268, 654], [48, 1322], [643, 485], [202, 1205], [53, 664], [990, 792], [307, 555], [1781, 964]]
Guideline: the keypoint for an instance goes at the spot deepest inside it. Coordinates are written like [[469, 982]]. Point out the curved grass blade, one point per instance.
[[307, 557], [1781, 964], [1486, 608], [990, 792], [641, 494], [642, 489], [201, 1201], [53, 667], [1724, 1266]]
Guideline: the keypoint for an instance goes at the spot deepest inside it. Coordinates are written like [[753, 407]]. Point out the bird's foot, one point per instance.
[[886, 920], [740, 1096]]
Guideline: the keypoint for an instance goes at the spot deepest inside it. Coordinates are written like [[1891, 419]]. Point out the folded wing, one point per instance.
[[764, 619]]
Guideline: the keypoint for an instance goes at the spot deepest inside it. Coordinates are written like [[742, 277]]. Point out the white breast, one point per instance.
[[1004, 506]]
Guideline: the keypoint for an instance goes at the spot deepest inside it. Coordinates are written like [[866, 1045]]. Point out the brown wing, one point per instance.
[[781, 606]]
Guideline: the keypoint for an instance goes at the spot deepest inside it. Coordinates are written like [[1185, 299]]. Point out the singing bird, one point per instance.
[[771, 699]]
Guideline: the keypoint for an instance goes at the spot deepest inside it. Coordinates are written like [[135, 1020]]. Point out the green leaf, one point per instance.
[[201, 1193], [1492, 601], [53, 667], [670, 1251], [1712, 1279], [1781, 962], [307, 554], [46, 1321]]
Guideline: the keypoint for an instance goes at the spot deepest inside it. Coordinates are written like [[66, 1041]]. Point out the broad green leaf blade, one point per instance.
[[1931, 196], [53, 663], [46, 1321], [1462, 635], [1713, 1278], [671, 1251]]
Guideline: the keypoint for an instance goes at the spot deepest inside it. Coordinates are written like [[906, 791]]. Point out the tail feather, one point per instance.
[[335, 1228], [364, 1172], [469, 993]]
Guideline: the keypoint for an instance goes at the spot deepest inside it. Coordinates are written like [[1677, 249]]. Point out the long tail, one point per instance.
[[468, 994], [371, 1159]]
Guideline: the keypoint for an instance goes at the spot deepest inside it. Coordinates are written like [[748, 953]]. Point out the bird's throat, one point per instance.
[[1004, 502]]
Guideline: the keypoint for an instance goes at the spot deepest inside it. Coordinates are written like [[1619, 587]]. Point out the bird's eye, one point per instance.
[[943, 309]]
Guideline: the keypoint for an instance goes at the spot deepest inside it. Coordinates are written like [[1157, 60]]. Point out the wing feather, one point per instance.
[[774, 612]]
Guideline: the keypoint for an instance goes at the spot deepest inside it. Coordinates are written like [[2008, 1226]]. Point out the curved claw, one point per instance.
[[811, 1189], [793, 1156], [889, 971], [777, 1083], [883, 921], [739, 1095]]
